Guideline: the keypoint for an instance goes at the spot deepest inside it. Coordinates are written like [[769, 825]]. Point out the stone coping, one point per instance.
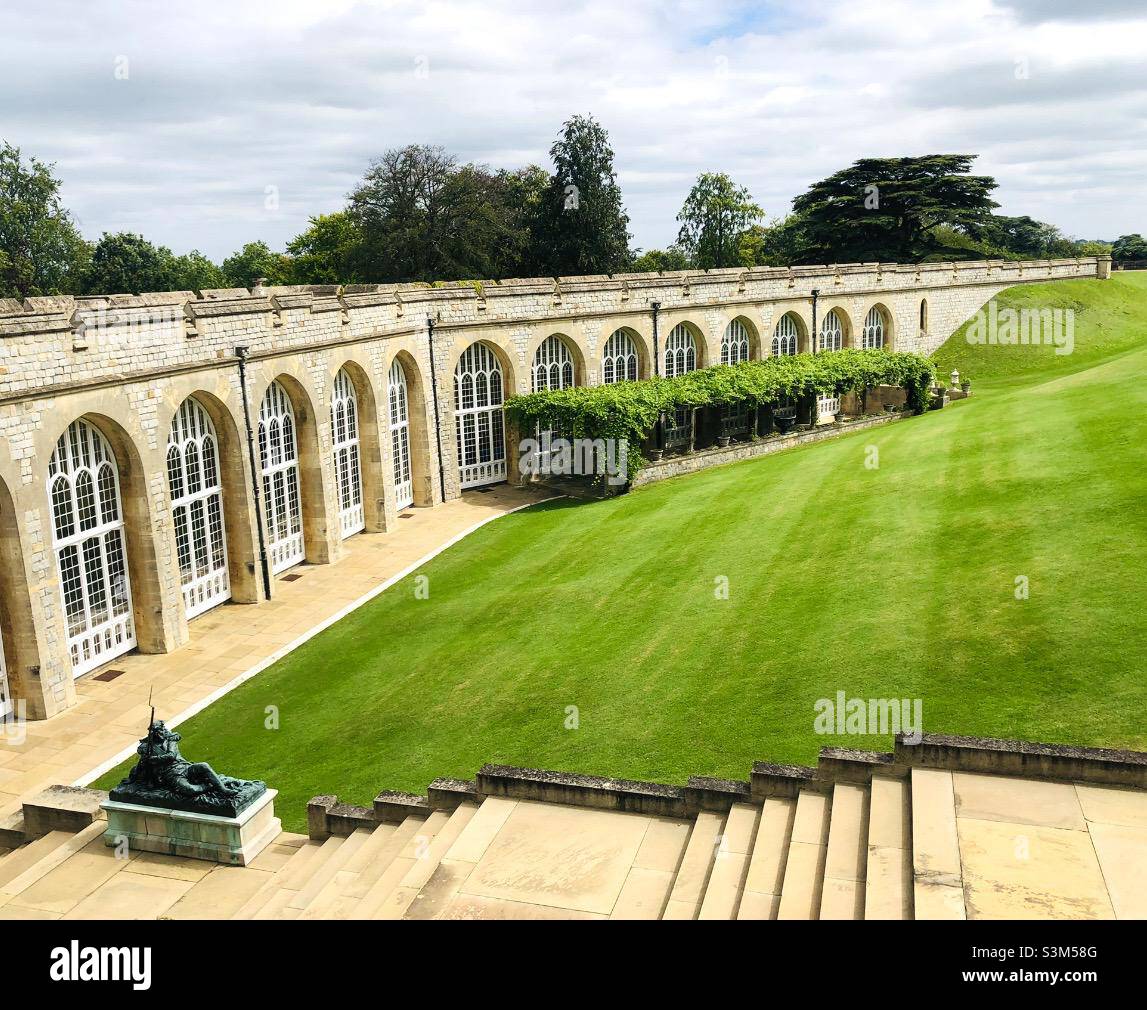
[[1017, 758], [191, 816]]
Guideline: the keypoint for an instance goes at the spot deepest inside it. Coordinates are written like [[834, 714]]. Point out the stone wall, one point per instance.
[[127, 363]]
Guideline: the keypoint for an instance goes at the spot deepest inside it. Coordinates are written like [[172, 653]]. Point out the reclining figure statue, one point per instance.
[[164, 778]]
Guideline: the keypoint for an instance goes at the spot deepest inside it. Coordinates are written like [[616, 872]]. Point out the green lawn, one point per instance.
[[883, 583]]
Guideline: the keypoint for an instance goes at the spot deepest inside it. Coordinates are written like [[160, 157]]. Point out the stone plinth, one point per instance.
[[232, 840]]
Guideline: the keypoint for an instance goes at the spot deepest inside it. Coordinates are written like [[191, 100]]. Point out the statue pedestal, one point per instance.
[[232, 840]]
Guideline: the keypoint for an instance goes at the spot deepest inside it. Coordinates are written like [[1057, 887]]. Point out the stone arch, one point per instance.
[[870, 332], [369, 446], [789, 330], [481, 449], [419, 427], [844, 320], [316, 547], [577, 358], [616, 346], [752, 332], [703, 358], [21, 654], [237, 518], [152, 622]]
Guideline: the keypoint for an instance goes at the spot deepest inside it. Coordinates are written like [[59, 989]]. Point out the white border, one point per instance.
[[259, 667]]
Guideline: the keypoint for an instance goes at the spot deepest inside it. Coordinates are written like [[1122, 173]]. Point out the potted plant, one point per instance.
[[966, 385], [785, 418], [939, 396]]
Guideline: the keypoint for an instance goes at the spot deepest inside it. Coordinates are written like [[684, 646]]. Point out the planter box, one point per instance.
[[231, 840]]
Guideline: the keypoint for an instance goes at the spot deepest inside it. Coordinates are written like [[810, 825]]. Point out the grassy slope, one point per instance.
[[895, 582]]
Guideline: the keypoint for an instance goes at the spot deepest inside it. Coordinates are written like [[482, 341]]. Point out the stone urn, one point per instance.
[[840, 417], [723, 442], [785, 422]]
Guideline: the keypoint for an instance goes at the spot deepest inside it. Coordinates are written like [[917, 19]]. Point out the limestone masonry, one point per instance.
[[162, 454]]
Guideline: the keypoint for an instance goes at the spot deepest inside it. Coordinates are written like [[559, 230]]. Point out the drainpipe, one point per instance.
[[437, 416], [241, 353], [815, 293], [656, 306]]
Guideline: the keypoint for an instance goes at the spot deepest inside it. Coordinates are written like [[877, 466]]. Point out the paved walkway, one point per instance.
[[230, 644]]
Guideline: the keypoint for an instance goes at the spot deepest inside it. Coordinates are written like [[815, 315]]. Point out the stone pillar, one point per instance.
[[1103, 266]]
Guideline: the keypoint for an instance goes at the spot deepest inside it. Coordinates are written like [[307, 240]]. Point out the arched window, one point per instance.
[[197, 508], [481, 437], [91, 554], [832, 332], [553, 365], [785, 336], [680, 351], [400, 437], [735, 343], [923, 315], [872, 335], [619, 359], [279, 454], [347, 460]]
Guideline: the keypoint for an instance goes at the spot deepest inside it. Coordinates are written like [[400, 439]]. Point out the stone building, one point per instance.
[[163, 454]]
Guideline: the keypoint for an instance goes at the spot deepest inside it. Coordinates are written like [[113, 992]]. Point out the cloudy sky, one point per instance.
[[184, 122]]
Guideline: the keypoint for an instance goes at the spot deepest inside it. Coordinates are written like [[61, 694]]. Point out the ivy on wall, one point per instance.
[[630, 410]]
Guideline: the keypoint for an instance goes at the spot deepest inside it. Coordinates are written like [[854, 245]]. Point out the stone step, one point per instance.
[[384, 853], [27, 857], [696, 866], [261, 898], [731, 863], [12, 831], [294, 879], [416, 846], [650, 880], [937, 877], [804, 867], [324, 873], [325, 904], [762, 892], [846, 860], [398, 902], [888, 878], [68, 847]]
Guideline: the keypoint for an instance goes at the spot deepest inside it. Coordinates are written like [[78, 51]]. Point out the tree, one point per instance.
[[780, 243], [660, 260], [326, 251], [889, 208], [195, 272], [124, 263], [715, 215], [253, 262], [41, 250], [1129, 247], [1025, 238], [582, 225]]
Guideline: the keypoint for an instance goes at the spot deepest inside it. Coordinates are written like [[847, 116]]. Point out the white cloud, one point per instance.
[[224, 99]]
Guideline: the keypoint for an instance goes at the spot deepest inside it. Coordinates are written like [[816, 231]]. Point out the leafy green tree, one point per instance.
[[715, 215], [325, 253], [1025, 238], [1129, 247], [41, 250], [254, 261], [780, 243], [889, 208], [582, 226], [659, 260], [125, 263], [195, 272]]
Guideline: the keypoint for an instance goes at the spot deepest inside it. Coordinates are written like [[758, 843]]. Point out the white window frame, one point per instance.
[[680, 351], [786, 336], [735, 343], [553, 365], [872, 336], [832, 331], [194, 483], [346, 456], [90, 544], [400, 436], [479, 428], [279, 467], [619, 359]]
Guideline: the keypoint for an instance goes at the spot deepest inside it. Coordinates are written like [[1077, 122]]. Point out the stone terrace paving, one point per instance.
[[936, 844]]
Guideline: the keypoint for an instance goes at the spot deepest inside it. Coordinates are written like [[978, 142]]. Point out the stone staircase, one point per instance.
[[891, 843]]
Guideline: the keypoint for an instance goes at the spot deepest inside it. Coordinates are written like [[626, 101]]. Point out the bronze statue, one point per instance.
[[164, 778]]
